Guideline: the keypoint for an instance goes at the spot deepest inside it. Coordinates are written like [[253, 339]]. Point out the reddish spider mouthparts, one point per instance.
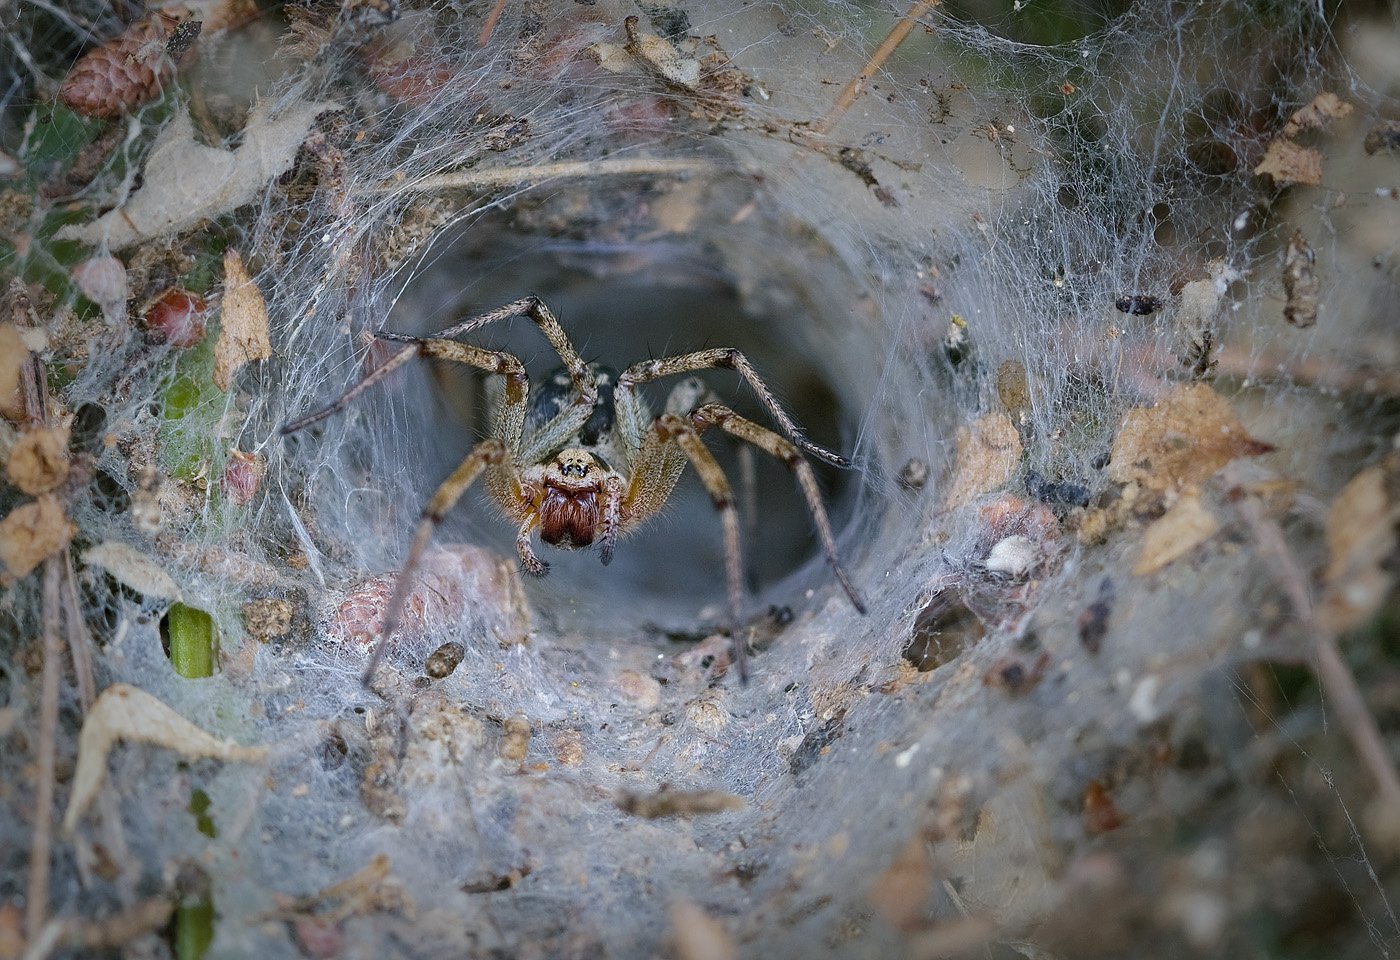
[[568, 510]]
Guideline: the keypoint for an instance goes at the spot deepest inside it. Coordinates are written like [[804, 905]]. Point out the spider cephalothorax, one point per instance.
[[584, 461]]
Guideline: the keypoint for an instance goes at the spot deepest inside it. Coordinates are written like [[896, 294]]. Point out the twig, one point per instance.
[[79, 643], [37, 906], [1332, 670], [490, 23], [511, 176], [882, 53], [110, 933]]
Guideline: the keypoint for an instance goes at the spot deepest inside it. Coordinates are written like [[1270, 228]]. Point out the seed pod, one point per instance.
[[176, 317], [126, 72]]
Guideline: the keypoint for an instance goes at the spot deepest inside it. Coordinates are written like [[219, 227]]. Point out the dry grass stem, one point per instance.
[[37, 905], [882, 53], [539, 173], [1336, 676]]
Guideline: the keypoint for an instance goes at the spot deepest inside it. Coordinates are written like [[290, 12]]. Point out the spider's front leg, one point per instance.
[[485, 453]]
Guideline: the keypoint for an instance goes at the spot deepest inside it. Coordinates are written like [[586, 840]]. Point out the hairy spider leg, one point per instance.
[[443, 500], [375, 376], [720, 358], [718, 415], [671, 427], [556, 431]]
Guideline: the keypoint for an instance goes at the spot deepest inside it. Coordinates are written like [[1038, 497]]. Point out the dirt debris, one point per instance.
[[33, 532], [38, 461]]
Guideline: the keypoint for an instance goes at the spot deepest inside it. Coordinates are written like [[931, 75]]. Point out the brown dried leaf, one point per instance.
[[186, 182], [1184, 439], [1325, 108], [124, 713], [39, 460], [243, 322], [1289, 163], [32, 533], [988, 450], [1361, 537], [1174, 534]]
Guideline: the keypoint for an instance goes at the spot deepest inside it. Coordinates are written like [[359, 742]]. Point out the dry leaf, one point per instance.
[[1383, 136], [243, 322], [124, 713], [39, 460], [1325, 107], [186, 182], [1289, 163], [1300, 284], [32, 533], [1174, 534], [988, 451], [131, 567], [660, 57], [699, 936], [1184, 439], [1361, 536]]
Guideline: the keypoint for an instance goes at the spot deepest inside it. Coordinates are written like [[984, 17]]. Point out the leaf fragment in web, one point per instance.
[[1361, 538], [1324, 108], [186, 181], [242, 324], [1187, 525], [659, 56], [134, 569], [988, 451], [125, 714], [1191, 433], [1289, 163]]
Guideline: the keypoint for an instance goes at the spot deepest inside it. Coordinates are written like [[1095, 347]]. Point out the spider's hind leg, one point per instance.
[[671, 427]]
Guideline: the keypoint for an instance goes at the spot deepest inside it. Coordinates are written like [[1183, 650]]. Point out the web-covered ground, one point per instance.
[[1101, 302]]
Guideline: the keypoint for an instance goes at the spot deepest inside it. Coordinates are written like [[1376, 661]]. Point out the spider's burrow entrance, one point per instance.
[[619, 307]]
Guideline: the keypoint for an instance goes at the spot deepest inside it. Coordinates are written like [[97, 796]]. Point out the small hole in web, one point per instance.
[[943, 629]]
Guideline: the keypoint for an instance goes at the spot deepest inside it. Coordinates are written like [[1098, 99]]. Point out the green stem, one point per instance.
[[191, 641]]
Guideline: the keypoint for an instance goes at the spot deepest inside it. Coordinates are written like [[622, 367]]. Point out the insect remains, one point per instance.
[[582, 460]]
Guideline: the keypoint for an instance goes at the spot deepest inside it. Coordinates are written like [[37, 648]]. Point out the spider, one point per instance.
[[584, 461]]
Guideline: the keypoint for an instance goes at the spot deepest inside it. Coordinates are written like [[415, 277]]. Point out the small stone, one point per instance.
[[516, 742], [568, 747], [445, 659]]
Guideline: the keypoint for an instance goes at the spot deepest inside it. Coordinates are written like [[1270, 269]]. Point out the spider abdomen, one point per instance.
[[568, 518]]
